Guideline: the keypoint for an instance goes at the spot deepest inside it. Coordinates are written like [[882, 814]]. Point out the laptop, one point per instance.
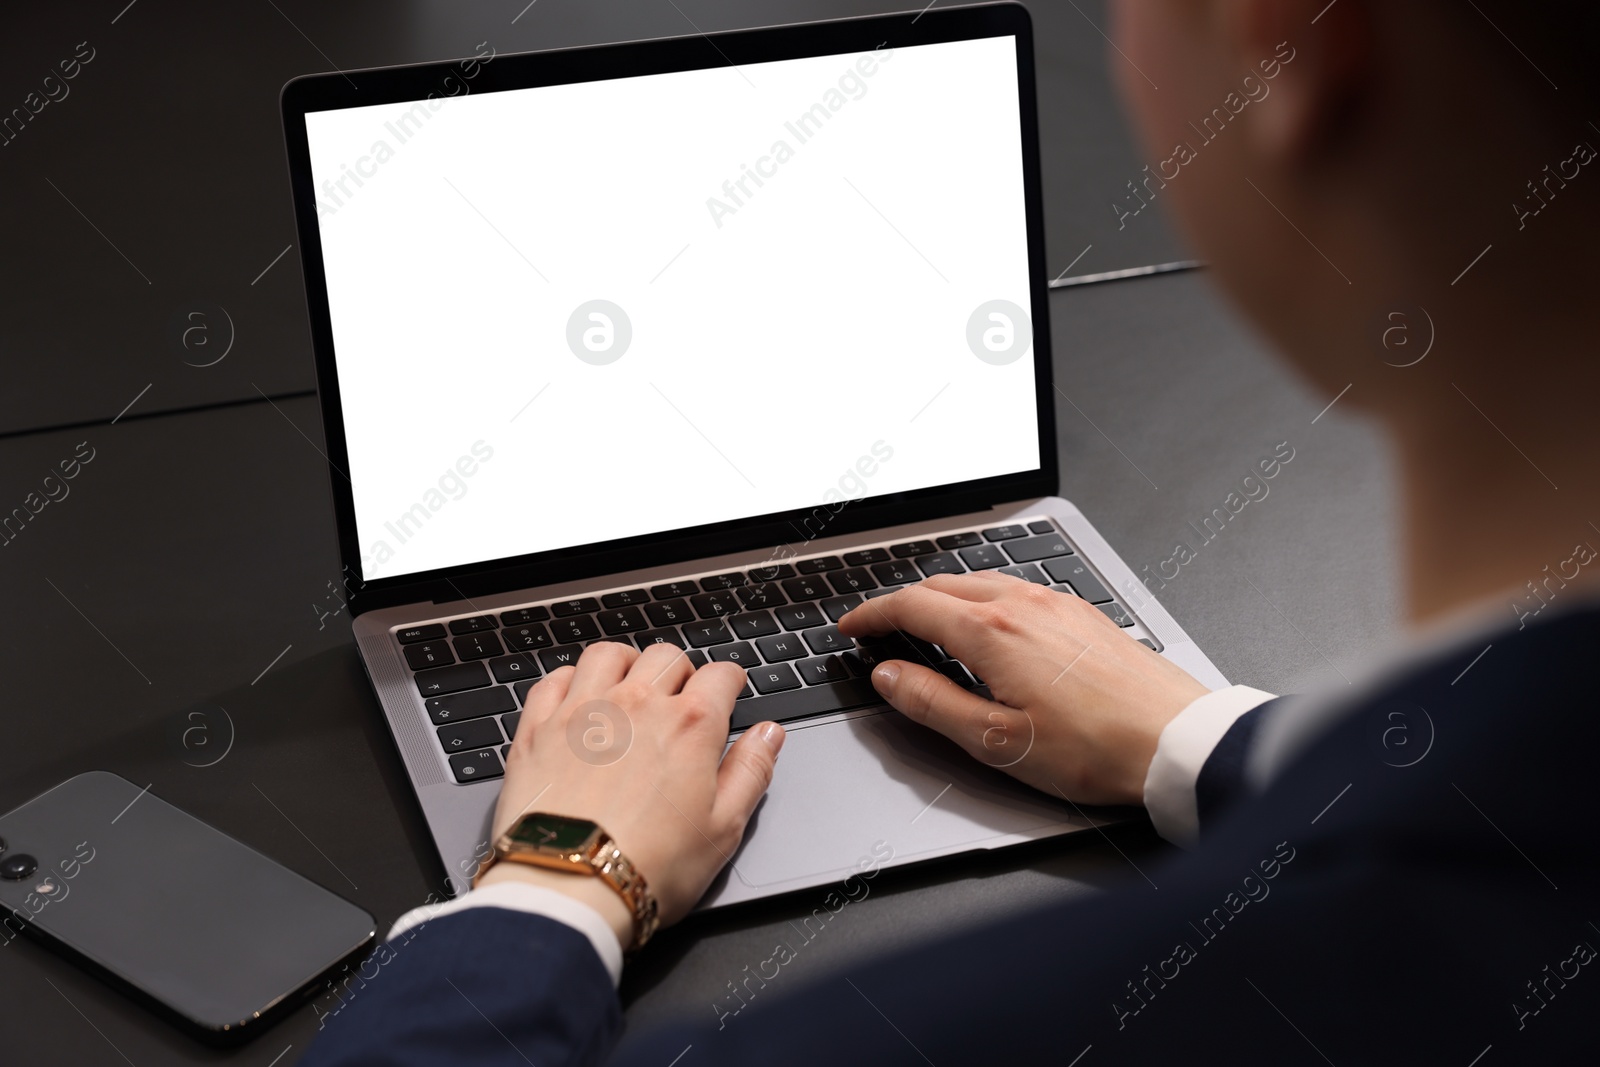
[[703, 341]]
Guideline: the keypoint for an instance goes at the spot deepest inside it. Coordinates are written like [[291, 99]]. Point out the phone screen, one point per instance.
[[202, 923]]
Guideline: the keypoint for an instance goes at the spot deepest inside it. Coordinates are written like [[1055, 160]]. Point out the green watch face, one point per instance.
[[557, 832]]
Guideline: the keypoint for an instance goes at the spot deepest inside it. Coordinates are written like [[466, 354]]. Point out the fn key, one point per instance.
[[479, 763]]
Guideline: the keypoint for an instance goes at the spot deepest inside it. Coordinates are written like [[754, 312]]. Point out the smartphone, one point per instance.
[[215, 935]]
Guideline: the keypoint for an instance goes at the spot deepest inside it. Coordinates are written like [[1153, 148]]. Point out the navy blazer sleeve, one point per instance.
[[483, 986], [1222, 779]]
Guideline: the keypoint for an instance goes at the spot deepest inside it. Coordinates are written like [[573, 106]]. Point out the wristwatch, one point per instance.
[[578, 846]]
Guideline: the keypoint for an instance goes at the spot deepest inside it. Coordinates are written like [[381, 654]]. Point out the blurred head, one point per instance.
[[1369, 171]]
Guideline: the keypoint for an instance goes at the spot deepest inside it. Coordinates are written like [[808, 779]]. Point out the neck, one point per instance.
[[1502, 493]]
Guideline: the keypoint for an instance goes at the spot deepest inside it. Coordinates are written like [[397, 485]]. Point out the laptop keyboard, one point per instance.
[[776, 620]]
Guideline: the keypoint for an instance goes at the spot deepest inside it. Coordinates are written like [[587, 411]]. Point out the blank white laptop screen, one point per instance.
[[575, 313]]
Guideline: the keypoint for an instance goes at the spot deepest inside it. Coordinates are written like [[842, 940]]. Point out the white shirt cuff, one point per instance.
[[1185, 745], [534, 900]]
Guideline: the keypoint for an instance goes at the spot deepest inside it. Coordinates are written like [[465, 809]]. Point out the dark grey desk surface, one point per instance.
[[191, 562]]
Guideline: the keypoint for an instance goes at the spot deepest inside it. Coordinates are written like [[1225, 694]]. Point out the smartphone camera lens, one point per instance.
[[15, 868]]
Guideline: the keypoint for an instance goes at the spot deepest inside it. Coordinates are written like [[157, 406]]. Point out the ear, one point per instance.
[[1315, 56]]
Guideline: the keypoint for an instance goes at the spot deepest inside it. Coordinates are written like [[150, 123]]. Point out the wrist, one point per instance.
[[584, 888]]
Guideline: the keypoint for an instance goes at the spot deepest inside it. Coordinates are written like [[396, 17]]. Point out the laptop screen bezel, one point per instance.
[[332, 91]]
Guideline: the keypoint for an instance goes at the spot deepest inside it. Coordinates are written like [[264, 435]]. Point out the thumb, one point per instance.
[[744, 775], [927, 697]]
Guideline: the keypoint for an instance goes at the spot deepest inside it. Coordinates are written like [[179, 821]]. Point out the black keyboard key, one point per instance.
[[756, 597], [412, 634], [429, 654], [526, 638], [664, 636], [801, 616], [837, 606], [877, 593], [521, 690], [1036, 548], [1076, 573], [1116, 613], [780, 647], [1042, 526], [982, 557], [623, 621], [471, 705], [705, 634], [514, 668], [826, 639], [808, 588], [1004, 533], [508, 723], [583, 605], [442, 680], [474, 625], [953, 670], [804, 703], [739, 652], [477, 764], [1028, 572], [771, 572], [524, 616], [950, 542], [673, 590], [478, 646], [865, 556], [474, 733], [505, 752], [852, 580], [753, 624], [560, 656], [913, 548], [732, 580], [818, 565], [896, 572], [575, 628], [698, 658], [822, 669], [940, 563], [626, 598], [871, 651], [1147, 643], [773, 678], [715, 605], [668, 612]]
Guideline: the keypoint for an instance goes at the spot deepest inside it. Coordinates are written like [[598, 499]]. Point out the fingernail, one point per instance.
[[885, 674], [773, 735]]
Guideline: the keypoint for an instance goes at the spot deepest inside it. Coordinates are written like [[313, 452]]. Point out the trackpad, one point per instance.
[[881, 790]]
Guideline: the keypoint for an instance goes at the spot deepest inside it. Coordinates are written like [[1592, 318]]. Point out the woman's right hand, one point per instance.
[[1078, 704]]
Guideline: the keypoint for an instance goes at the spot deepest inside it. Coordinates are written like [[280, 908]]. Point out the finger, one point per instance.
[[602, 665], [743, 778], [927, 697], [918, 609], [662, 666], [978, 587], [719, 685], [544, 697]]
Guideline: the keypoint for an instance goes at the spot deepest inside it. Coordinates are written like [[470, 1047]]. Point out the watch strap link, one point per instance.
[[623, 877]]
